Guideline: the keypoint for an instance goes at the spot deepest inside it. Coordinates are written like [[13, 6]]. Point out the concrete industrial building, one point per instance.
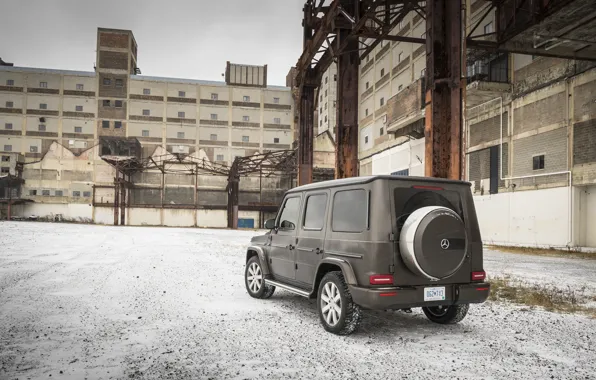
[[537, 113], [64, 122]]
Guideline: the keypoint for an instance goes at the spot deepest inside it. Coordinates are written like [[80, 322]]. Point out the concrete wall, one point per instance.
[[526, 218], [74, 212], [212, 218], [587, 216]]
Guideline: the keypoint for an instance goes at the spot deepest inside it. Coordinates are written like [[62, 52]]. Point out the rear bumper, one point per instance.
[[406, 297]]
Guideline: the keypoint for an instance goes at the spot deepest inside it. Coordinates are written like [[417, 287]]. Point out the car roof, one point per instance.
[[368, 179]]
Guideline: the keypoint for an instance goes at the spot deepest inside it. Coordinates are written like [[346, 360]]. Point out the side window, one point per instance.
[[289, 215], [350, 211], [314, 216]]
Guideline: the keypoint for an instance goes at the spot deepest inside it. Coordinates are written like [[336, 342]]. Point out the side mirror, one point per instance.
[[270, 224]]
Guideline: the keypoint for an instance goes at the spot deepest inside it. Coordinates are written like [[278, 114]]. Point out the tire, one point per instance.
[[446, 315], [256, 288], [342, 319]]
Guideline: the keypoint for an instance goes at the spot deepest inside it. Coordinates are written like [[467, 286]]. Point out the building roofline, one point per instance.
[[115, 30], [47, 71]]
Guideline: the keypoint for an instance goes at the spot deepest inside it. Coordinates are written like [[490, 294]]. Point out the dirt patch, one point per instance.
[[567, 300], [545, 252]]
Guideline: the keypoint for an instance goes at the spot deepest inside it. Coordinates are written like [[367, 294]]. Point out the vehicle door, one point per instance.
[[311, 236], [283, 238]]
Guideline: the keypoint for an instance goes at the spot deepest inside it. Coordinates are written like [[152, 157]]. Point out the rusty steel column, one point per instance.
[[444, 91], [123, 204], [116, 198], [346, 151], [306, 135]]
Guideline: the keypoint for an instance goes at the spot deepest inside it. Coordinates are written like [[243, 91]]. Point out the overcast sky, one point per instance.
[[176, 38]]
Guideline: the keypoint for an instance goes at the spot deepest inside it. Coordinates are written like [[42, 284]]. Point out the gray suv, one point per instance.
[[381, 242]]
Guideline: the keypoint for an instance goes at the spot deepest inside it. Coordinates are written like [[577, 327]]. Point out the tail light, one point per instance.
[[436, 188], [381, 279], [478, 276]]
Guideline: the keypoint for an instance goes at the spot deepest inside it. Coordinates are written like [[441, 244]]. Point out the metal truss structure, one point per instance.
[[280, 163], [346, 31]]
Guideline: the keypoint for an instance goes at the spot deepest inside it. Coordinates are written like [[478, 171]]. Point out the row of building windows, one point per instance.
[[60, 193]]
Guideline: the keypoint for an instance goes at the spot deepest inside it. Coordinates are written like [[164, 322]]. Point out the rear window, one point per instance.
[[350, 211], [408, 200]]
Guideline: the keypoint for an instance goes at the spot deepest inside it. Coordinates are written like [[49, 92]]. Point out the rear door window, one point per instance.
[[350, 211], [314, 216]]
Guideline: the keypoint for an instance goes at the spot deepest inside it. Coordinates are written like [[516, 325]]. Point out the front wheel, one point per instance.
[[255, 281], [446, 314], [337, 311]]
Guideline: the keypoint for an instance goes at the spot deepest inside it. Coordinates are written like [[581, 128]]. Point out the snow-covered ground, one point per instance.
[[82, 301]]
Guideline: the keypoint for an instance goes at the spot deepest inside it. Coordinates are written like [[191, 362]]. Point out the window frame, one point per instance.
[[117, 124], [9, 104], [10, 82], [178, 134], [143, 134], [118, 104], [80, 87], [78, 108], [43, 106], [119, 82], [537, 156], [106, 82], [181, 114], [246, 98], [146, 91], [8, 126], [146, 112], [181, 94], [9, 146], [80, 129], [43, 84], [33, 149], [303, 220], [367, 194]]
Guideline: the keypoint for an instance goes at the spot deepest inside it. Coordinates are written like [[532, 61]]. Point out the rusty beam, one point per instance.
[[122, 204], [346, 151], [306, 135], [413, 40], [445, 54], [521, 48], [116, 198]]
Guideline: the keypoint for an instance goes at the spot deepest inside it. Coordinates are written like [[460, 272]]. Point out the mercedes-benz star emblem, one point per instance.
[[444, 243]]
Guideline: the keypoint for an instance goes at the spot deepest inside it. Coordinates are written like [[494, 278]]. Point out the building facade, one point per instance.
[[63, 122], [530, 125]]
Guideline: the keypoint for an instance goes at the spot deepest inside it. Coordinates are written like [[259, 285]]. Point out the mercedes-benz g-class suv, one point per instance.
[[381, 242]]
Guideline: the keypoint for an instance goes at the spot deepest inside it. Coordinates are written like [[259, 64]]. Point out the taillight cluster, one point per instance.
[[381, 279], [478, 276]]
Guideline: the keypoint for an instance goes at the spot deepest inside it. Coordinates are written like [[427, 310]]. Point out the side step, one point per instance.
[[289, 288]]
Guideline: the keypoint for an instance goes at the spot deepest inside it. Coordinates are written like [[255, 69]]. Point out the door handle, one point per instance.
[[318, 251], [291, 247]]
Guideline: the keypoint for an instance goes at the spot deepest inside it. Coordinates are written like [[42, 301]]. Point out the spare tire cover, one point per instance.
[[433, 242]]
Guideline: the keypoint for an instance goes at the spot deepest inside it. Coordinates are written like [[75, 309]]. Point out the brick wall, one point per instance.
[[584, 106], [488, 130], [113, 60], [479, 167], [112, 90], [547, 111], [552, 144], [111, 112], [405, 102], [113, 40], [584, 142]]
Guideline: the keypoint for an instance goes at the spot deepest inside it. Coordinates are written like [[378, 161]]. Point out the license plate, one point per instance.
[[434, 294]]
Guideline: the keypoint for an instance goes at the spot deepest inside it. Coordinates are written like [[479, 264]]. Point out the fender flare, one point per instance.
[[345, 266], [262, 257]]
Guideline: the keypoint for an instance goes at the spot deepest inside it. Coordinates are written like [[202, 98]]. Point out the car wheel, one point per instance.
[[337, 311], [446, 314], [255, 281]]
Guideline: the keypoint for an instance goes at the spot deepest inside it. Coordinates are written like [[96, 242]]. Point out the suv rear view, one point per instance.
[[382, 243]]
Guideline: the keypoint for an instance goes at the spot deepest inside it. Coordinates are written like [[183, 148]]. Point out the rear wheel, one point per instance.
[[337, 311], [446, 314], [255, 281]]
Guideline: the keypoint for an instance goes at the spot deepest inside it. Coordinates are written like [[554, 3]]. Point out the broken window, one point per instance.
[[5, 170], [5, 158], [33, 149], [106, 103]]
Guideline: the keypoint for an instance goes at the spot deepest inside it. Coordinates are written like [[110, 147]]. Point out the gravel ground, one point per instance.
[[95, 302]]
